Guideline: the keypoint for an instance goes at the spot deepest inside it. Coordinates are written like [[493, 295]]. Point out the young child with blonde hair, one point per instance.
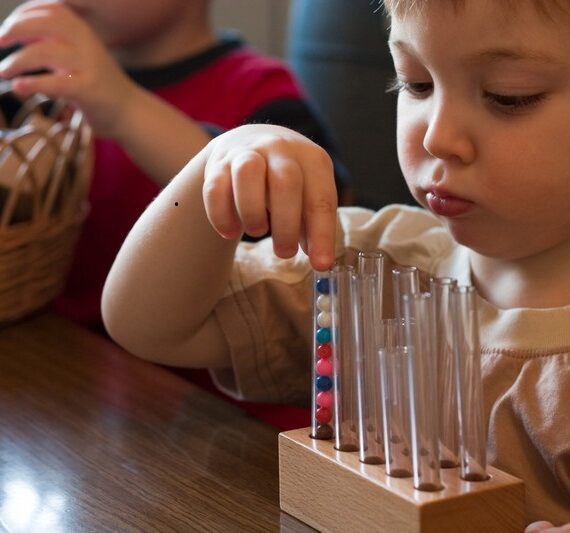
[[484, 145]]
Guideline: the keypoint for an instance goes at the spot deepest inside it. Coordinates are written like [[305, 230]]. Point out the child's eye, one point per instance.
[[418, 90], [512, 103]]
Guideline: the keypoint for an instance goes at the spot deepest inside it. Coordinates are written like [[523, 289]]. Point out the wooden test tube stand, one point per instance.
[[333, 491]]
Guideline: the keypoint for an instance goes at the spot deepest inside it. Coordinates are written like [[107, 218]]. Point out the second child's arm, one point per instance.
[[175, 264]]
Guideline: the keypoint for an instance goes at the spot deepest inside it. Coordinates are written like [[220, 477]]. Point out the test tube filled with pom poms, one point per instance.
[[322, 393]]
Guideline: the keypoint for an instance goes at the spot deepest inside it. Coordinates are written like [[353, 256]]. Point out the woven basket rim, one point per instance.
[[17, 235]]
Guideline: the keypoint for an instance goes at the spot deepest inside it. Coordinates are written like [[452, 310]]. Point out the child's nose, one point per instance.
[[448, 134]]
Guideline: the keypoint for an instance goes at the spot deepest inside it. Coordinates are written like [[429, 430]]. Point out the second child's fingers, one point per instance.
[[319, 208], [52, 85], [42, 21], [51, 56]]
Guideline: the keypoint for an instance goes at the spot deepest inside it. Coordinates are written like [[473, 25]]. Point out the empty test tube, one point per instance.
[[472, 438], [346, 343], [405, 280], [373, 263], [371, 442], [322, 393], [370, 426], [393, 375], [419, 333], [440, 289]]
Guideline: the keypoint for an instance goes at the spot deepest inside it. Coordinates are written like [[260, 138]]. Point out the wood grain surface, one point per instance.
[[94, 439]]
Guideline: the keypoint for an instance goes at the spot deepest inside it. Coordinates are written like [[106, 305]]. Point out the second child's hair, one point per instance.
[[402, 7]]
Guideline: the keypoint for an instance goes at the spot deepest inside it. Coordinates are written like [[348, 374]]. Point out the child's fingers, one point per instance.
[[52, 85], [303, 238], [219, 200], [285, 185], [536, 527], [248, 169], [41, 22], [320, 204], [24, 27], [45, 55], [34, 4]]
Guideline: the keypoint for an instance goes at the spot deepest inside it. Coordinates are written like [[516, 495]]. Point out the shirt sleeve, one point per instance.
[[266, 319]]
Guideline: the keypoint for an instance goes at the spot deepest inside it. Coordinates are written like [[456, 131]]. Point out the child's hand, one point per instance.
[[262, 177], [78, 66], [546, 527]]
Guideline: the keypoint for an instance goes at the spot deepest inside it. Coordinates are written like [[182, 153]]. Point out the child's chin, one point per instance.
[[471, 238]]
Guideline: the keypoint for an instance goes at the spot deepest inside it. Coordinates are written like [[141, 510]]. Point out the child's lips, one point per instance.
[[447, 206]]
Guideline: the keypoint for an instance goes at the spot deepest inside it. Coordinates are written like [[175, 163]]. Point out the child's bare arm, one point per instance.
[[174, 266], [79, 68]]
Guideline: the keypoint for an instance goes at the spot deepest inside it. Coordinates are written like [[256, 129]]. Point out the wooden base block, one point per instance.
[[334, 491]]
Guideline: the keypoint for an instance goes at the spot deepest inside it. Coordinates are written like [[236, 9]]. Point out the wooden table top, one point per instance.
[[94, 439]]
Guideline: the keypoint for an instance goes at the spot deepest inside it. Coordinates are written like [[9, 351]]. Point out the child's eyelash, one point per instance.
[[394, 85], [417, 89], [514, 102], [503, 101]]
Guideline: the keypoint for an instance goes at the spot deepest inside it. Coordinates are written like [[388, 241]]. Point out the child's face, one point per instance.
[[484, 122], [121, 23]]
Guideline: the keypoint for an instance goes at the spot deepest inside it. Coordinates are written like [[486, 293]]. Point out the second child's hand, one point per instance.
[[68, 60]]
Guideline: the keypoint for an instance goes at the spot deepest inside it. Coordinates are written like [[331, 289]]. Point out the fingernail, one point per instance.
[[323, 261], [257, 231]]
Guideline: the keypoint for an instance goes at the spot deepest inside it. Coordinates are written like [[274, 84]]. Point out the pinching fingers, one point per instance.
[[285, 185], [320, 204], [248, 170], [219, 200]]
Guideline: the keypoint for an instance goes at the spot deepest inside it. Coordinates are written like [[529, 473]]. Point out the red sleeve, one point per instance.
[[231, 89], [250, 81], [261, 81]]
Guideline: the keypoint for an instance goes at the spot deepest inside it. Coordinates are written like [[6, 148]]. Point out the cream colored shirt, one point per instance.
[[265, 315]]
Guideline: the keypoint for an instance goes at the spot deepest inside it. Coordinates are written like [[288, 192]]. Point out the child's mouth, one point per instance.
[[447, 206]]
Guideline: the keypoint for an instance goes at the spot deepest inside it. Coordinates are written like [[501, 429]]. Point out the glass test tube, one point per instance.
[[346, 345], [419, 331], [322, 395], [373, 263], [472, 438], [440, 289], [396, 430], [405, 280], [370, 426]]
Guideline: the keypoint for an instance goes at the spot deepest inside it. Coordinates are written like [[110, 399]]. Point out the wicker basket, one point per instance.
[[46, 158]]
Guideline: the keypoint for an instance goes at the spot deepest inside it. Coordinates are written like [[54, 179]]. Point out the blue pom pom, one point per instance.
[[323, 286]]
